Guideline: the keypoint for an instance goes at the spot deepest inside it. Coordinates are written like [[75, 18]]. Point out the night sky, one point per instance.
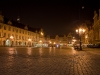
[[55, 17]]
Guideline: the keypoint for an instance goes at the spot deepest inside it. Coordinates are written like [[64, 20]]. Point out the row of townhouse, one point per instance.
[[14, 33], [59, 40]]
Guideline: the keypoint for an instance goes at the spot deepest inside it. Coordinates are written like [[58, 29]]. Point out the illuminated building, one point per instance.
[[14, 33], [96, 27]]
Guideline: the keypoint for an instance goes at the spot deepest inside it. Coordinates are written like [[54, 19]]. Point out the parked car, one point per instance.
[[76, 46], [93, 45]]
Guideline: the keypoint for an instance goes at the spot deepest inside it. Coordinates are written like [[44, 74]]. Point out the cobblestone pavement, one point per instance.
[[49, 61]]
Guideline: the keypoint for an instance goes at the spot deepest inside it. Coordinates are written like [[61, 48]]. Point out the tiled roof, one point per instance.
[[20, 25], [14, 23]]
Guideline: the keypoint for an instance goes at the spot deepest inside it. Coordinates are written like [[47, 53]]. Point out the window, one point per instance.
[[22, 37], [0, 26], [0, 34], [16, 30], [26, 32], [20, 31], [4, 27], [4, 34], [8, 35], [13, 29], [19, 37]]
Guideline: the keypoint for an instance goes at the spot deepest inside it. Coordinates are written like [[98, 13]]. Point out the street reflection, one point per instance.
[[40, 51], [10, 61], [54, 50], [73, 51], [12, 51], [29, 51], [50, 49]]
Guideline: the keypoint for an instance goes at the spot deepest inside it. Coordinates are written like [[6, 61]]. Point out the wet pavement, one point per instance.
[[49, 61]]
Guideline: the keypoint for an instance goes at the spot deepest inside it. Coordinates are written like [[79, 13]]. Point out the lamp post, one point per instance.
[[80, 31]]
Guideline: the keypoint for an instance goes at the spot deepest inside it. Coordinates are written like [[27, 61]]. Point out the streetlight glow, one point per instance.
[[50, 42], [76, 30], [11, 37], [83, 30], [80, 31], [40, 41], [41, 33], [29, 39], [54, 43]]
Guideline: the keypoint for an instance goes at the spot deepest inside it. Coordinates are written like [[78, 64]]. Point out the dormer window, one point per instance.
[[26, 27], [9, 22]]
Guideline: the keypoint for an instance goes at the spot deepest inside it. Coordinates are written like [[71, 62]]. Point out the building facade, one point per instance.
[[60, 41], [94, 30], [13, 33], [96, 27], [92, 33]]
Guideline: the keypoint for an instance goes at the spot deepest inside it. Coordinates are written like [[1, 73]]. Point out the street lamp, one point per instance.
[[80, 31], [40, 41], [29, 39]]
